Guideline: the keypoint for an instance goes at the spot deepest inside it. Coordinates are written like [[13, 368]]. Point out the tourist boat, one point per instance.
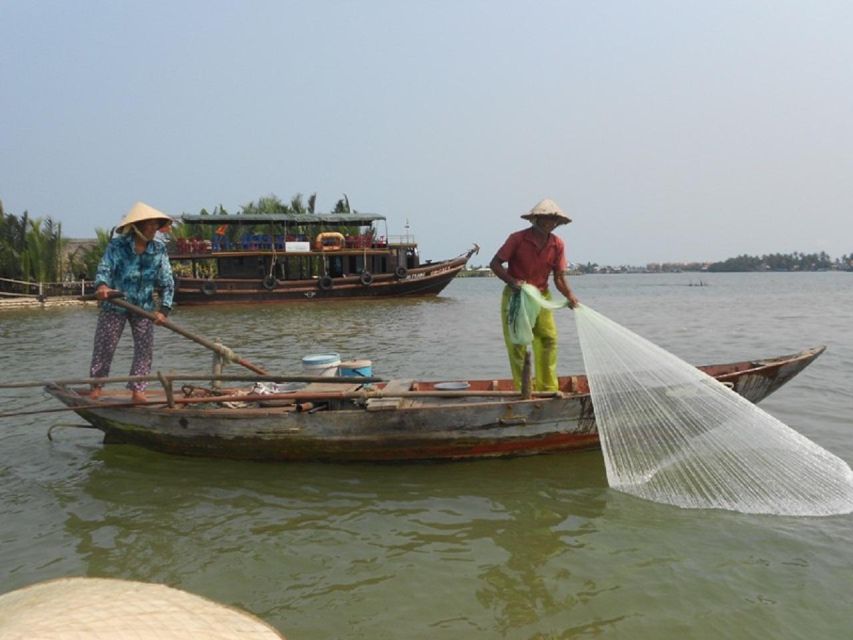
[[289, 257], [347, 419]]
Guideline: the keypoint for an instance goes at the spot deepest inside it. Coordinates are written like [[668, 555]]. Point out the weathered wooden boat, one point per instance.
[[399, 420], [289, 257]]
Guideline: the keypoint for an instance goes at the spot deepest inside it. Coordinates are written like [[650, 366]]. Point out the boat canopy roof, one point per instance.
[[285, 218]]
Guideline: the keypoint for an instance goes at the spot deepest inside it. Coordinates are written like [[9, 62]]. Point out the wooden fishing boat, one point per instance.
[[298, 257], [344, 420]]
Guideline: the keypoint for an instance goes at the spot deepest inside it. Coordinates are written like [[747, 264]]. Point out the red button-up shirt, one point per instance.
[[529, 263]]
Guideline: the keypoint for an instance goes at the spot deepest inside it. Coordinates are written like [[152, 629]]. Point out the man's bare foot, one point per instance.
[[139, 396]]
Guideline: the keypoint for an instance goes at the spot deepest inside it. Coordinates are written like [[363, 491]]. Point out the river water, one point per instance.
[[525, 548]]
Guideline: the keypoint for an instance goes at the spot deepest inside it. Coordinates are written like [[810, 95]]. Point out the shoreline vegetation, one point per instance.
[[37, 261], [775, 262]]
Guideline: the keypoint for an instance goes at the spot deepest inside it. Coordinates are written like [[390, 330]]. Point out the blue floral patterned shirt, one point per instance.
[[137, 275]]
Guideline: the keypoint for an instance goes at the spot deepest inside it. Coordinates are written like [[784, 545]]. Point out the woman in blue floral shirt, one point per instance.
[[135, 264]]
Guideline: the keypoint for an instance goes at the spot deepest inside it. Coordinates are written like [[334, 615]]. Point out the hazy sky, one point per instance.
[[668, 130]]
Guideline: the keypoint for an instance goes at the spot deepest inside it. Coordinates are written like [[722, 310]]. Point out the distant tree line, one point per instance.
[[33, 249], [795, 261]]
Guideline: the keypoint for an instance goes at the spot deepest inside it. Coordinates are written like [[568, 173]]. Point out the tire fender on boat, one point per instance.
[[401, 272], [269, 283], [366, 278], [208, 287], [325, 283]]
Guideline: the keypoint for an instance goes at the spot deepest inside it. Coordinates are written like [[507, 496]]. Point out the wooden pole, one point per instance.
[[190, 377], [526, 387], [227, 353], [167, 389], [218, 364]]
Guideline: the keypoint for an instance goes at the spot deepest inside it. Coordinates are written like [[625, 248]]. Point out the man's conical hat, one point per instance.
[[547, 207], [141, 211]]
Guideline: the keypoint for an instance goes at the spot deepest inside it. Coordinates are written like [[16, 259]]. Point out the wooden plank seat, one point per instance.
[[389, 404]]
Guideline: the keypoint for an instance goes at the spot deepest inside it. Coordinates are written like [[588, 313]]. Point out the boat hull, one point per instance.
[[427, 280], [410, 428], [453, 432]]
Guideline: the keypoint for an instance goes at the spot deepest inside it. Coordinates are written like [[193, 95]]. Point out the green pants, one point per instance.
[[544, 348]]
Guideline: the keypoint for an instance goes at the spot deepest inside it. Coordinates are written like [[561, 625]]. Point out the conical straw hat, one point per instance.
[[141, 211], [547, 207], [72, 608]]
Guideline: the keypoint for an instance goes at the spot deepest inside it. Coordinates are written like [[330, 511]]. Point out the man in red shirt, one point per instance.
[[533, 255]]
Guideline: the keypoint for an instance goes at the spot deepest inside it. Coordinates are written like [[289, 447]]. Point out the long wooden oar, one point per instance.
[[116, 299]]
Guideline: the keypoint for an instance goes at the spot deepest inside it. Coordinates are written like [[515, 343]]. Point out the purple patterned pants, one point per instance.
[[107, 334]]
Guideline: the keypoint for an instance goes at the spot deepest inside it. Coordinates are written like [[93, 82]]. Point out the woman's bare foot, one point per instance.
[[139, 396], [95, 393]]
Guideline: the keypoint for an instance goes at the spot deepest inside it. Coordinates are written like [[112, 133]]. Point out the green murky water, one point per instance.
[[524, 548]]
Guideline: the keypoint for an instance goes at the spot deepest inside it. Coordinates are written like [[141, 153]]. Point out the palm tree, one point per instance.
[[13, 234], [342, 205], [268, 204], [42, 258], [296, 205], [87, 263]]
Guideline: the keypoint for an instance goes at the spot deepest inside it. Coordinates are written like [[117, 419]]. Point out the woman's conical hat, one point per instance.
[[547, 207], [141, 211]]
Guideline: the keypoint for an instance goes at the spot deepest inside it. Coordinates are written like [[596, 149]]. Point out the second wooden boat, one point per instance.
[[301, 257]]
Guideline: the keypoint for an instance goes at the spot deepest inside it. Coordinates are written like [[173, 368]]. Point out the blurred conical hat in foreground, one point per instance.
[[87, 608]]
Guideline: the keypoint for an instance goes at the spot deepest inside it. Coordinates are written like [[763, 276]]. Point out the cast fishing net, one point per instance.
[[524, 306], [672, 434]]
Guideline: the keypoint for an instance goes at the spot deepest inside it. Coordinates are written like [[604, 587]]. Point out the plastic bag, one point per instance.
[[524, 307]]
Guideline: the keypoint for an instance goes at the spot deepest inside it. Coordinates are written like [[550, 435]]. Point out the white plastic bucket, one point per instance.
[[323, 365]]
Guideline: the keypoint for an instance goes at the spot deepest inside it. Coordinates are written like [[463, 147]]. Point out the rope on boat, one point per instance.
[[227, 353]]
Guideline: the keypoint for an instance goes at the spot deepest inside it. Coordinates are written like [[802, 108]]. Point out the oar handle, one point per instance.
[[117, 298]]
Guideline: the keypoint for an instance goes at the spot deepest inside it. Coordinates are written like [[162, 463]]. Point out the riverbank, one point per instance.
[[27, 302]]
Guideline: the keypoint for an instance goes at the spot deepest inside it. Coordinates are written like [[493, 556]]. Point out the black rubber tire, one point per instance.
[[400, 272], [208, 287], [269, 283], [325, 283], [366, 278]]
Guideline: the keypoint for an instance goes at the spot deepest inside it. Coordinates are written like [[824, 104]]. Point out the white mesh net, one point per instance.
[[672, 434]]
